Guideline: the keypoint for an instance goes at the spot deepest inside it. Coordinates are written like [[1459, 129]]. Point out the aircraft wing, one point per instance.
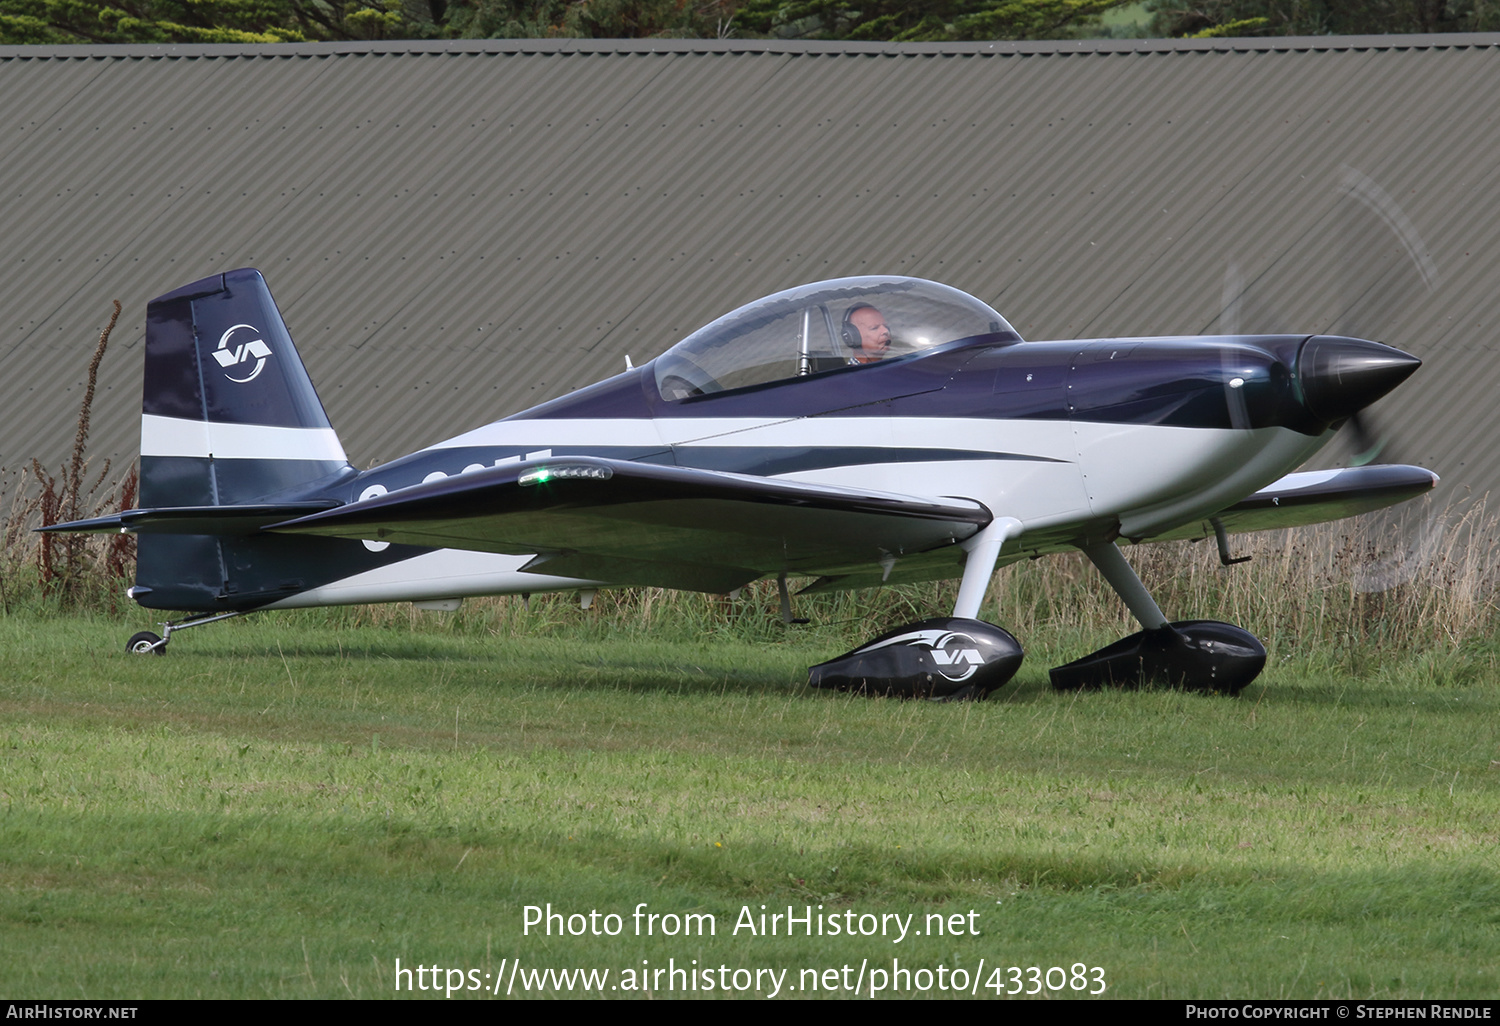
[[1312, 497], [622, 522]]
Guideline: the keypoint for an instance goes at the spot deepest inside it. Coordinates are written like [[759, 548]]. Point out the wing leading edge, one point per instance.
[[647, 524], [1313, 497], [1296, 500]]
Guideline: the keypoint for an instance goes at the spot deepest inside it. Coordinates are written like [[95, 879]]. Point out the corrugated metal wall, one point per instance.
[[457, 232]]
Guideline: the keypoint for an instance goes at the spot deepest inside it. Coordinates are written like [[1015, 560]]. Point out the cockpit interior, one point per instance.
[[824, 327]]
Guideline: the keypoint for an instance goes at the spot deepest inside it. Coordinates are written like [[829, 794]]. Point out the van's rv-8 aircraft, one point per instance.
[[859, 431]]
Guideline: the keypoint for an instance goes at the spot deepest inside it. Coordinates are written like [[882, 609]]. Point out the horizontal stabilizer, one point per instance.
[[1313, 497], [642, 523], [221, 520]]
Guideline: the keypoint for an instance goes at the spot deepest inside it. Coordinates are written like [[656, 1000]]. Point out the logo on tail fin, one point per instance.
[[234, 355]]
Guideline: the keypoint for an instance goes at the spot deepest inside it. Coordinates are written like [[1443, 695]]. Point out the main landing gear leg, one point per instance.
[[1202, 655], [944, 659], [1110, 562], [983, 553], [147, 643]]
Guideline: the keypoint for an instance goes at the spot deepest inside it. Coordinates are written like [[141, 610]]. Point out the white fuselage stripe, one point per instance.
[[590, 432], [1040, 481], [176, 436], [964, 433], [440, 574]]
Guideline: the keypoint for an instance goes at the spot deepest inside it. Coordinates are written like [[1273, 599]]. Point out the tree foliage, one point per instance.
[[922, 20], [198, 21], [584, 19], [1319, 17], [270, 21], [279, 21]]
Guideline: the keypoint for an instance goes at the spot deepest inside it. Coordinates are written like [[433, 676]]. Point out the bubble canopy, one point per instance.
[[822, 327]]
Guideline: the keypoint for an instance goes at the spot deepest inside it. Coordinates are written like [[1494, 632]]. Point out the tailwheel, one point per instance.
[[146, 643]]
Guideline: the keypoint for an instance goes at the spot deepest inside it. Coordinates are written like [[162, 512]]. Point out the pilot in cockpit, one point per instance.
[[866, 334]]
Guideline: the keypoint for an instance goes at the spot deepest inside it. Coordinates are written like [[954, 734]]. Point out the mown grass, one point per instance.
[[285, 805]]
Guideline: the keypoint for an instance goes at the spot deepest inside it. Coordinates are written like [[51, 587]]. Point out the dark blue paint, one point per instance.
[[214, 573], [622, 397], [771, 461], [1167, 382], [1185, 383], [196, 481], [183, 380], [172, 387]]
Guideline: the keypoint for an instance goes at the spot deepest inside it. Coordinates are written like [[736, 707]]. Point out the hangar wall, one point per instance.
[[457, 231]]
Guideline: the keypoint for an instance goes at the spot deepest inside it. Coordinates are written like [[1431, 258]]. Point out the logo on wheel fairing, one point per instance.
[[955, 659], [239, 346]]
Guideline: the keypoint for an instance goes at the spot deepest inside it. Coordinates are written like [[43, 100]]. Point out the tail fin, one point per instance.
[[229, 418], [229, 414]]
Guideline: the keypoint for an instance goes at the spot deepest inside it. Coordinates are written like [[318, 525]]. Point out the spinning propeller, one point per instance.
[[1384, 271]]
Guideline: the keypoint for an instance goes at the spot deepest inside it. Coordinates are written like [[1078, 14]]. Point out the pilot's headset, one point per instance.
[[849, 331]]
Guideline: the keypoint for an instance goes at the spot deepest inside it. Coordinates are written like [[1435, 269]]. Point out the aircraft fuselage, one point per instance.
[[1079, 440]]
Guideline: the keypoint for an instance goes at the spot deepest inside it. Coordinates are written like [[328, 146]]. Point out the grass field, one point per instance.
[[285, 806]]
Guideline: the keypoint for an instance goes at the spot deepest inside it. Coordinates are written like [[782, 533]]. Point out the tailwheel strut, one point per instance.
[[147, 643]]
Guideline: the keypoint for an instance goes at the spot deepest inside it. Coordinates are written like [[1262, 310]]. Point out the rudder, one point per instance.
[[228, 413], [229, 416]]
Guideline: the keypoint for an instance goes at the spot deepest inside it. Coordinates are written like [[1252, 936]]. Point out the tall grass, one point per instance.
[[1376, 584], [1425, 579], [1360, 589]]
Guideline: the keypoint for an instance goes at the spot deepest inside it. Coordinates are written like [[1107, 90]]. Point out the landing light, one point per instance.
[[541, 475]]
